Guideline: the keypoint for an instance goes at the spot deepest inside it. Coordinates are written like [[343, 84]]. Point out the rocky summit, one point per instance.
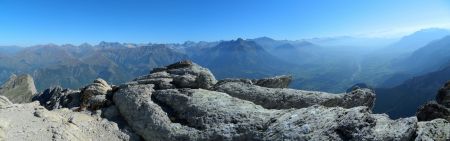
[[184, 101], [19, 89]]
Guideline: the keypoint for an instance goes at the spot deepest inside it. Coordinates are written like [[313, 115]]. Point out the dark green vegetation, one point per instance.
[[405, 73]]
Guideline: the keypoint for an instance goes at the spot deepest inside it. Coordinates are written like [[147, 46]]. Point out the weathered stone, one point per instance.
[[443, 96], [184, 74], [433, 110], [335, 123], [93, 96], [435, 130], [282, 81], [33, 122], [99, 87], [19, 89], [207, 115], [57, 98], [147, 118], [4, 101], [277, 98]]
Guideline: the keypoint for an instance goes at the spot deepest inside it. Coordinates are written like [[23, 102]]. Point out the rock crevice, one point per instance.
[[184, 101]]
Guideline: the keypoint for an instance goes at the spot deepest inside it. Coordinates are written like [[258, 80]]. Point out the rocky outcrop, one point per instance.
[[435, 130], [183, 101], [33, 122], [183, 74], [282, 81], [94, 96], [4, 101], [196, 114], [277, 98], [436, 109], [443, 96], [433, 110], [57, 98], [19, 89]]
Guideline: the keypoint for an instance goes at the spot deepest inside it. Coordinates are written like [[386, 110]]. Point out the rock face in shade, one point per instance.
[[277, 98], [57, 98], [433, 110], [282, 81], [183, 101], [436, 109], [19, 89], [443, 96]]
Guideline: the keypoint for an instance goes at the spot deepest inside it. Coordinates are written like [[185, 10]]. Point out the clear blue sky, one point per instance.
[[26, 22]]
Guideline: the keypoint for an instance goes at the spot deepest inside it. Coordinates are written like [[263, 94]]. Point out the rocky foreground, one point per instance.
[[184, 101]]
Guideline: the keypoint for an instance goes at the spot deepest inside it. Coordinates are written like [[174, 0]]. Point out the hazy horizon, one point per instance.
[[27, 23]]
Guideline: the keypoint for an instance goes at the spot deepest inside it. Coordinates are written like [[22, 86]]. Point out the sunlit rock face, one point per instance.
[[184, 101], [19, 89]]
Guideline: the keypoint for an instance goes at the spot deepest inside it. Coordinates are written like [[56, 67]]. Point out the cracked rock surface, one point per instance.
[[282, 98], [184, 101], [33, 122]]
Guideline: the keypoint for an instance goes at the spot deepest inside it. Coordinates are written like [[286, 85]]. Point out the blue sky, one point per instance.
[[27, 22]]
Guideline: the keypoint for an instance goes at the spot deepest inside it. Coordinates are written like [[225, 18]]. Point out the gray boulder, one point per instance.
[[433, 110], [57, 97], [435, 130], [147, 118], [436, 109], [197, 114], [4, 101], [19, 89], [183, 74], [30, 121], [282, 81], [93, 96], [277, 98], [336, 123]]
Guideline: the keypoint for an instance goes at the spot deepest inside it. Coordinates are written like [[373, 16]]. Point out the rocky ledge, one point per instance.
[[437, 109], [184, 101]]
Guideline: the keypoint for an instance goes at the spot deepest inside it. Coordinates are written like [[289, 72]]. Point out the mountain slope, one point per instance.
[[428, 58], [71, 66], [418, 39], [403, 100], [240, 58]]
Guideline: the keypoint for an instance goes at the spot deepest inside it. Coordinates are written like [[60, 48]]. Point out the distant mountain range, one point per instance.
[[410, 69]]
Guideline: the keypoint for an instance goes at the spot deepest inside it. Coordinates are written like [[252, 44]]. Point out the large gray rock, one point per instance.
[[4, 101], [196, 114], [23, 122], [57, 98], [335, 123], [436, 109], [183, 74], [93, 96], [282, 81], [432, 110], [19, 89], [147, 118], [277, 98], [435, 130]]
